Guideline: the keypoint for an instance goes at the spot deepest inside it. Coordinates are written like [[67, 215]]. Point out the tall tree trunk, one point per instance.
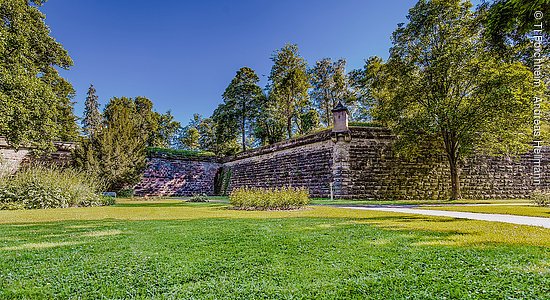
[[289, 114], [328, 108], [243, 124], [289, 126], [243, 136], [455, 178], [451, 148]]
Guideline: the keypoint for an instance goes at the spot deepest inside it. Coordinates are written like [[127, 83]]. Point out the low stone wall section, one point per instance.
[[303, 162], [178, 176]]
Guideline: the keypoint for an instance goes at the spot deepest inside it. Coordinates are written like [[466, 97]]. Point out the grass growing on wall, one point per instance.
[[152, 151], [269, 198]]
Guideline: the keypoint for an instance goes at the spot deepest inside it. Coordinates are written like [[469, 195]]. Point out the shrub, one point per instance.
[[164, 152], [198, 198], [270, 198], [125, 193], [541, 198], [41, 187]]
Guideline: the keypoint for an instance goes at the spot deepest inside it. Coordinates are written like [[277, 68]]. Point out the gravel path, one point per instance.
[[521, 220]]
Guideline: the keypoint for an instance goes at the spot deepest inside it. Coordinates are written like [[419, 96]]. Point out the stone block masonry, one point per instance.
[[359, 163], [12, 159], [376, 172], [303, 162], [168, 176]]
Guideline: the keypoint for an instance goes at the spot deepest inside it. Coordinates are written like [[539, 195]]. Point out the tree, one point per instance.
[[207, 137], [225, 131], [241, 99], [165, 131], [330, 85], [35, 102], [443, 92], [289, 84], [365, 83], [309, 121], [269, 127], [191, 139], [508, 24], [118, 151], [188, 137], [91, 123]]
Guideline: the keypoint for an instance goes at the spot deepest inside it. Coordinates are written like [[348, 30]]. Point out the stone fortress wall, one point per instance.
[[359, 163], [12, 159], [178, 176], [353, 162]]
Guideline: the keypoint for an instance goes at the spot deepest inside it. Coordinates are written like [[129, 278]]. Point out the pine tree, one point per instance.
[[241, 100], [289, 83], [92, 117]]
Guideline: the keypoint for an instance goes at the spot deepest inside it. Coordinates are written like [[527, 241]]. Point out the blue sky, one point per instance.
[[183, 54]]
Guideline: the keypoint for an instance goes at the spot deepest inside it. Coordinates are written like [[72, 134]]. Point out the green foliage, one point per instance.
[[270, 123], [117, 153], [309, 121], [125, 193], [541, 198], [508, 25], [225, 140], [269, 198], [191, 139], [330, 84], [92, 121], [364, 124], [164, 130], [242, 102], [177, 152], [222, 180], [41, 187], [441, 91], [367, 84], [198, 198], [289, 84], [35, 102]]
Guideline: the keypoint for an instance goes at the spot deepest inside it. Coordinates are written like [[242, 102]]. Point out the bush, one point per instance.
[[125, 193], [41, 187], [541, 198], [198, 198], [270, 198], [164, 152]]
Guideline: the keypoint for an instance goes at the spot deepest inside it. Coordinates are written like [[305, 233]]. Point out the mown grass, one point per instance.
[[520, 210], [168, 249], [348, 202]]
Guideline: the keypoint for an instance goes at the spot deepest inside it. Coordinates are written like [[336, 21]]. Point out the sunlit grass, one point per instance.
[[168, 249], [520, 210], [347, 202], [464, 232]]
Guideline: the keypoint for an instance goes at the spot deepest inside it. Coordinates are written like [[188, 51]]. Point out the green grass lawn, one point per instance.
[[167, 249], [521, 210], [326, 201]]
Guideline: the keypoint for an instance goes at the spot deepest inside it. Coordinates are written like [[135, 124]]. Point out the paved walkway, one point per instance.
[[521, 220]]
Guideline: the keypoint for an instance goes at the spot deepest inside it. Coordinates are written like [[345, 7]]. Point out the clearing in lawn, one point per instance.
[[172, 250]]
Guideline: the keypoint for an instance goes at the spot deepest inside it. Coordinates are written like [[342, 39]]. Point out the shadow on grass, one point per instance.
[[170, 204]]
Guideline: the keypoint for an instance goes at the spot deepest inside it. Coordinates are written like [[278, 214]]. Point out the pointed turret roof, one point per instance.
[[339, 107]]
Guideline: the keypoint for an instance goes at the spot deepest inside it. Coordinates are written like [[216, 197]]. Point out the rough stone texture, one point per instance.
[[359, 163], [304, 162], [12, 159], [376, 173], [178, 177]]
